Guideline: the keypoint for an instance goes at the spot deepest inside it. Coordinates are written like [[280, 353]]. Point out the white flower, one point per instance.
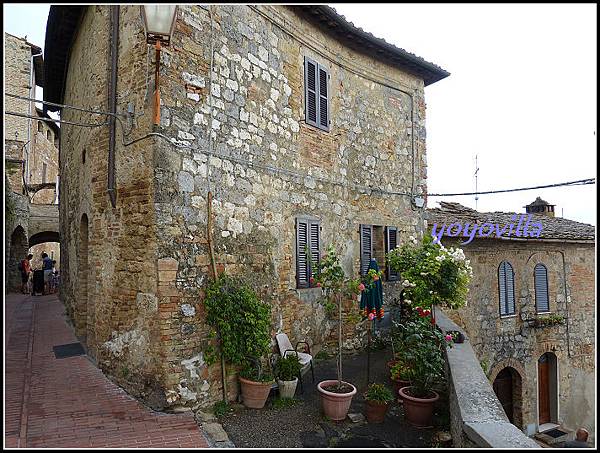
[[408, 301]]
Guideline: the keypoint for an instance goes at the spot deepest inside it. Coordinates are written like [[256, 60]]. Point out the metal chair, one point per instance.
[[305, 358]]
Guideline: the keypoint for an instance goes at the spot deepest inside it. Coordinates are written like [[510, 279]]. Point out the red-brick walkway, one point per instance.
[[68, 402]]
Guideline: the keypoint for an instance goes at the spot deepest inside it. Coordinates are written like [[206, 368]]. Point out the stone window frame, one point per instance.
[[318, 69], [514, 303]]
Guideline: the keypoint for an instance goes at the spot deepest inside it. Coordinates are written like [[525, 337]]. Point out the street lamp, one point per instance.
[[159, 22]]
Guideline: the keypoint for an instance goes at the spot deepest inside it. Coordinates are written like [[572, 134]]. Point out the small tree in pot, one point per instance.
[[378, 398], [336, 395], [287, 370]]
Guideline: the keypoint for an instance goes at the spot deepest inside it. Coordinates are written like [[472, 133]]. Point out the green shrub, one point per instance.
[[221, 408], [379, 393], [287, 368], [241, 318]]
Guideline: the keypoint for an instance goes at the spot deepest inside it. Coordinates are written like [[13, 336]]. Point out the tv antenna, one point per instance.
[[476, 172]]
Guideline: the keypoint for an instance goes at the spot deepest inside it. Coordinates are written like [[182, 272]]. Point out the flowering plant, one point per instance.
[[431, 274]]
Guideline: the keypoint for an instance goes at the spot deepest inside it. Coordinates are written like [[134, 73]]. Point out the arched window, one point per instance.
[[506, 288], [542, 302]]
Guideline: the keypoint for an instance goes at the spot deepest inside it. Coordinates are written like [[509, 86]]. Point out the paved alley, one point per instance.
[[68, 402]]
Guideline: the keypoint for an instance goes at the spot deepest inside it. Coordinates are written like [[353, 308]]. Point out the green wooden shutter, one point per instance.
[[391, 242], [311, 91], [366, 247]]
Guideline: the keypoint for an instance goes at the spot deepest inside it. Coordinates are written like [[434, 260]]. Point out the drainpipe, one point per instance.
[[112, 102], [29, 113], [566, 299]]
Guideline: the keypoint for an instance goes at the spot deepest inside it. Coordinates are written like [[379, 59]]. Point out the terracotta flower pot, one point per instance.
[[418, 411], [287, 389], [398, 384], [335, 405], [376, 411], [254, 394]]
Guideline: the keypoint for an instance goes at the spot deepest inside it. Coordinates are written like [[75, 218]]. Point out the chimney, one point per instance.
[[540, 207]]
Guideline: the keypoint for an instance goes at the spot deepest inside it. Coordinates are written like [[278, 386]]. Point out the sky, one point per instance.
[[521, 95]]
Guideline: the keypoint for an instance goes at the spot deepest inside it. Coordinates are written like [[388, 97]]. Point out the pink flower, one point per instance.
[[448, 337], [318, 284], [312, 279], [426, 312], [371, 316], [361, 287]]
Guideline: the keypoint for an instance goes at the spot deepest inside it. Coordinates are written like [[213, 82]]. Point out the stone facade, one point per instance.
[[513, 341], [133, 276]]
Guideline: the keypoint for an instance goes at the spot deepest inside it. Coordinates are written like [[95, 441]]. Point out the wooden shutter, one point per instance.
[[506, 288], [323, 98], [391, 242], [307, 239], [315, 251], [542, 302], [301, 259], [311, 91], [366, 247]]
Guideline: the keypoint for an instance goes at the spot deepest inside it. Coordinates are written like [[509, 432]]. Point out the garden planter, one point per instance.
[[335, 405], [287, 389], [418, 411], [376, 411], [254, 394], [398, 384]]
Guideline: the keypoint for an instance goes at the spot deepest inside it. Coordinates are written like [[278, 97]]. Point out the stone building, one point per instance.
[[31, 161], [316, 135], [530, 311]]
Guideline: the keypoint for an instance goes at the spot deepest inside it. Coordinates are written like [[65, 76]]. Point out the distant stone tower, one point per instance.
[[540, 206]]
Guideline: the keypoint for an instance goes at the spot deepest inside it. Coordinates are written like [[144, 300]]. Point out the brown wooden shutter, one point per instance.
[[366, 247], [323, 98], [391, 242], [311, 89], [301, 258]]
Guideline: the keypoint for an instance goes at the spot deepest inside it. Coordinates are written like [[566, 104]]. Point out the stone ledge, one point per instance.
[[475, 411]]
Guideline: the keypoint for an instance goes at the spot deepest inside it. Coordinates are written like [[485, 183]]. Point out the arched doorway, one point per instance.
[[18, 252], [547, 388], [81, 301], [508, 388]]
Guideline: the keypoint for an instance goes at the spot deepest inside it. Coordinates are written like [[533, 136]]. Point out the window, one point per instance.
[[316, 99], [542, 304], [40, 127], [308, 250], [49, 136], [391, 242], [506, 288]]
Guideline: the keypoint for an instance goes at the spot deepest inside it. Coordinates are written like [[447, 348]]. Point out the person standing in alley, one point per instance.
[[47, 268], [25, 268]]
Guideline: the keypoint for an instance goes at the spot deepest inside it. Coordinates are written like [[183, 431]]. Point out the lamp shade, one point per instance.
[[159, 21]]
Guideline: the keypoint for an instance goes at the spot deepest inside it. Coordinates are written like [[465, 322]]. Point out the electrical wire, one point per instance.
[[579, 182], [39, 118]]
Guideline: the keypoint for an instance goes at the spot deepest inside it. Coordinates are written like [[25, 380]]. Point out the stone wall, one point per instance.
[[148, 257], [510, 341], [44, 152], [17, 60], [15, 236]]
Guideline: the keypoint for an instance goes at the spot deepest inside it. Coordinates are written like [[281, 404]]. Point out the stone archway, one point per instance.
[[81, 301], [18, 251], [510, 370]]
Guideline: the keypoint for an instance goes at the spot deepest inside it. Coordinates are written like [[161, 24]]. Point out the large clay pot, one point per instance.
[[376, 411], [335, 405], [418, 411], [287, 389], [255, 394], [398, 384]]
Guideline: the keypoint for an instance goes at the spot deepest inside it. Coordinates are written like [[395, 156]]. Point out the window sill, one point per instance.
[[508, 316]]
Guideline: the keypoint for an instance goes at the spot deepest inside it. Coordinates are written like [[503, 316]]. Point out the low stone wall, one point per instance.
[[476, 416]]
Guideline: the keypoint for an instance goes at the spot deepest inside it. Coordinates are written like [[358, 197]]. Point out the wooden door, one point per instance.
[[544, 389], [503, 387]]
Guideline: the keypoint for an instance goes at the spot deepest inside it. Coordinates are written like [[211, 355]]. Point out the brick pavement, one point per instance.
[[68, 402]]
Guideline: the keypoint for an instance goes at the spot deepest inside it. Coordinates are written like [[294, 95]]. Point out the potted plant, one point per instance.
[[287, 370], [244, 325], [427, 370], [457, 336], [378, 398], [336, 395], [400, 376], [255, 385]]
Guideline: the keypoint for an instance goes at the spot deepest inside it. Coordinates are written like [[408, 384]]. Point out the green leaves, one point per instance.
[[242, 319]]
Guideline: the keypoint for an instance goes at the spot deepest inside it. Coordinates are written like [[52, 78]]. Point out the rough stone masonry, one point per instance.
[[144, 263]]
